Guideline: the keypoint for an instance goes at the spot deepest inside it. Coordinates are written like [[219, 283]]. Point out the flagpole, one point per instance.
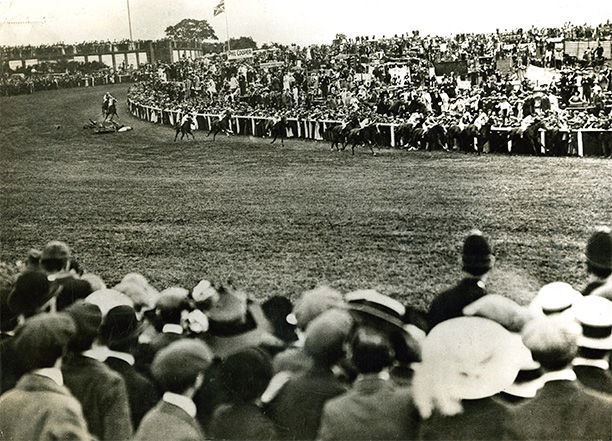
[[129, 19], [226, 26]]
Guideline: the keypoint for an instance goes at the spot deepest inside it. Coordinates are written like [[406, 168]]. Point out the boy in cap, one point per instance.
[[598, 259], [374, 408], [179, 369], [563, 409], [100, 390], [296, 406], [594, 345], [477, 260], [40, 407]]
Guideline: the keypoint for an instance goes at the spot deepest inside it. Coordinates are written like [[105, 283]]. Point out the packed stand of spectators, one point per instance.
[[84, 361], [393, 80], [21, 84]]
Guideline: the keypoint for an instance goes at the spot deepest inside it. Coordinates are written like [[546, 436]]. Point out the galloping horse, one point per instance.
[[221, 125], [337, 134], [367, 135], [278, 128], [184, 127], [109, 108], [528, 141]]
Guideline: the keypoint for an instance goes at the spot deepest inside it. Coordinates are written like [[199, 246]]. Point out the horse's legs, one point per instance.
[[215, 134], [275, 135], [282, 141]]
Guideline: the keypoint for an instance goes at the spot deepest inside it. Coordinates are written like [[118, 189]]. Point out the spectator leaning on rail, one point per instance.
[[478, 260]]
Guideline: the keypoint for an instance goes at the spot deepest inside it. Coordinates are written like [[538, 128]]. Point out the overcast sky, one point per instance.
[[286, 21]]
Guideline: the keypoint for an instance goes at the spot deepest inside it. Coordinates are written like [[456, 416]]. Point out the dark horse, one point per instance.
[[469, 139], [367, 135], [185, 128], [109, 109], [337, 134], [276, 129], [220, 125], [527, 142]]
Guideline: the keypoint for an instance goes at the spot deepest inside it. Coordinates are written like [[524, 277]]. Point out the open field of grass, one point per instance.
[[282, 219]]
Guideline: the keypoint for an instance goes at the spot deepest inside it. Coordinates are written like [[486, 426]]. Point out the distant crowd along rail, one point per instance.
[[247, 125]]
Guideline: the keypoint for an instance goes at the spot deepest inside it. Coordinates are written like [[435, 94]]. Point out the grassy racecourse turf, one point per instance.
[[280, 220]]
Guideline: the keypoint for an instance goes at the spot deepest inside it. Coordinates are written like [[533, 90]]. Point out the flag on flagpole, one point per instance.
[[220, 8]]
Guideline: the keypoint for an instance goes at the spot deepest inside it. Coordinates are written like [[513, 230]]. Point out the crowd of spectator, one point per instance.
[[84, 361], [399, 79]]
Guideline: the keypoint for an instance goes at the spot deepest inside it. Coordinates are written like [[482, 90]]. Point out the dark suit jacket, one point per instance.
[[297, 408], [450, 303], [592, 286], [167, 422], [374, 409], [10, 369], [102, 394], [39, 409], [142, 395], [241, 422], [480, 420], [595, 378], [562, 410]]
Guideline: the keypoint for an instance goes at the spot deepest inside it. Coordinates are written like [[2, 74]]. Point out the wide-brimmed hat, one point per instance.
[[594, 314], [465, 358], [230, 307], [107, 299], [30, 292], [554, 298], [137, 287], [371, 304]]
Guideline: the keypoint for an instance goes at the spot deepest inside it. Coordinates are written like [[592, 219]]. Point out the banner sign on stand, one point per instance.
[[237, 54]]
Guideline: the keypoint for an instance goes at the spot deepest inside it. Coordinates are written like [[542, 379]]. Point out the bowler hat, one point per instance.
[[599, 248], [120, 325], [31, 292], [181, 362], [477, 256], [43, 339]]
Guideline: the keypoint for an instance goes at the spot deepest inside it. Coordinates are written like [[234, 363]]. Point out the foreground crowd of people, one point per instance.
[[82, 361]]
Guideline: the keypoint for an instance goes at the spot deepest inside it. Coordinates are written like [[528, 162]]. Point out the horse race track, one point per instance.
[[279, 220]]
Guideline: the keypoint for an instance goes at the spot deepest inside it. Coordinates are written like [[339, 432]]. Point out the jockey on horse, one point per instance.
[[186, 125], [221, 124], [109, 106]]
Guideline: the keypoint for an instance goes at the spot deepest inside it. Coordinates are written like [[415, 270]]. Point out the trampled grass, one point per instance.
[[277, 219]]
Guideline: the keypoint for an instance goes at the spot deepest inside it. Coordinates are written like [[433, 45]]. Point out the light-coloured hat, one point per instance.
[[313, 303], [137, 287], [554, 298], [594, 314], [107, 299], [204, 291], [465, 358]]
